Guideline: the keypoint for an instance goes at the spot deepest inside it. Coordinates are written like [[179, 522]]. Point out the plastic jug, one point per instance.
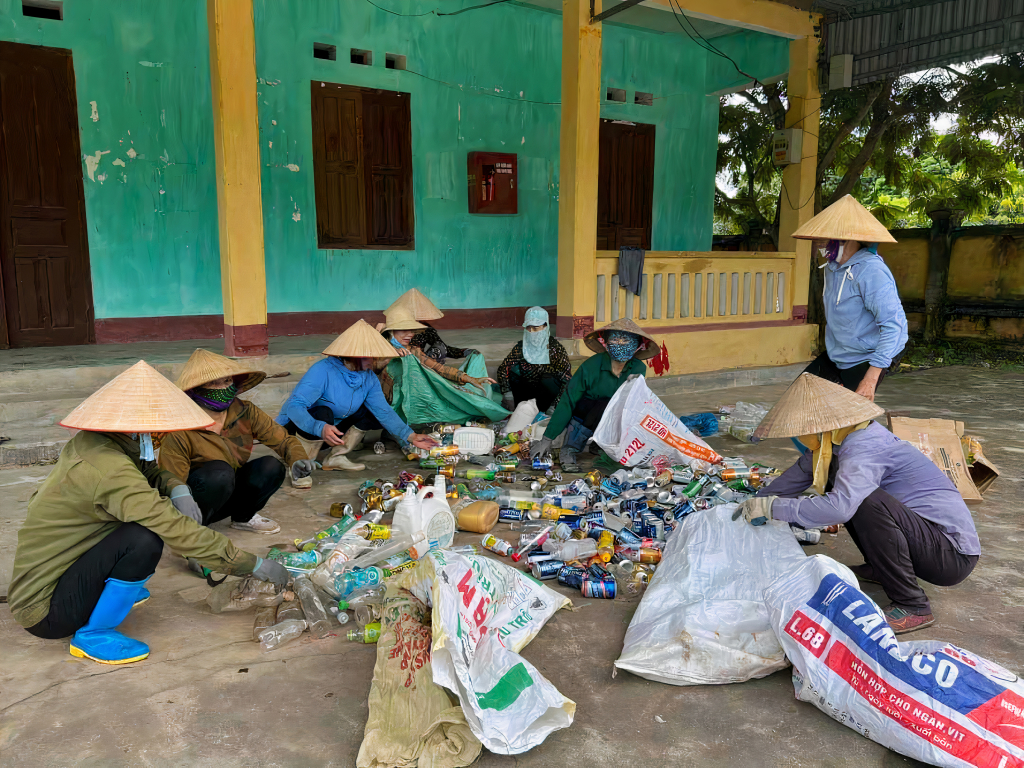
[[426, 511]]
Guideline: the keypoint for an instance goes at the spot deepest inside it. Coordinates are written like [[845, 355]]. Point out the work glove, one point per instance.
[[272, 571], [540, 447], [181, 498], [302, 468], [508, 401], [756, 511]]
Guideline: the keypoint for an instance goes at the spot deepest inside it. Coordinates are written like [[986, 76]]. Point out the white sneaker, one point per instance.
[[258, 524]]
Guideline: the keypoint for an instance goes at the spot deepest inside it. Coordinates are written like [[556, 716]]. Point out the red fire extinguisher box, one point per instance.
[[492, 182]]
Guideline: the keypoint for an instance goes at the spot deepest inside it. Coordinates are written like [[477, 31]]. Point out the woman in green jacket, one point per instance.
[[97, 525], [620, 345]]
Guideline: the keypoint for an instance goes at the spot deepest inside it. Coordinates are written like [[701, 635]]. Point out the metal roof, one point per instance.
[[897, 37]]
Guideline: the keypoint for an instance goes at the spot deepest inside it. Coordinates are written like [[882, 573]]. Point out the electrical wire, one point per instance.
[[436, 12]]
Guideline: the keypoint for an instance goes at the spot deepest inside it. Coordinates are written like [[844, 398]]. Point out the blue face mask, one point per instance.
[[621, 345], [395, 344]]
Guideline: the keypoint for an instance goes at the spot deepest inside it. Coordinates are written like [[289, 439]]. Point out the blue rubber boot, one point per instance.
[[576, 436], [98, 639], [143, 597]]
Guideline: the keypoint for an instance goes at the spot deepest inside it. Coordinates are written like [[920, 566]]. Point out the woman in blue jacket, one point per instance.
[[338, 399], [865, 326]]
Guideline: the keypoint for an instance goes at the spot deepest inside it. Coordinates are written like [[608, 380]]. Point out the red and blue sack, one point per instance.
[[930, 700]]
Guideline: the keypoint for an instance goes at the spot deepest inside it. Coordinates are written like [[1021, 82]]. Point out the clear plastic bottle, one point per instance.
[[265, 617], [281, 633], [316, 615], [368, 634], [573, 549], [367, 596], [290, 610], [347, 583], [465, 549], [367, 614], [339, 614]]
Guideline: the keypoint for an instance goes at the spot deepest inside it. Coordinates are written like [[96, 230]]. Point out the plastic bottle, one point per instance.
[[368, 634], [573, 549], [265, 617], [340, 528], [316, 614], [347, 583], [496, 545], [367, 614], [366, 596], [290, 610], [465, 549], [339, 614], [415, 545], [281, 633], [539, 539]]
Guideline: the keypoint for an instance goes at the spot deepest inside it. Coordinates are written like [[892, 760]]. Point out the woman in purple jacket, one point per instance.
[[905, 516]]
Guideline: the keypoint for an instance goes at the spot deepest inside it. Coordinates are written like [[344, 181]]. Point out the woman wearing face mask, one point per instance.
[[620, 345], [97, 525], [215, 462], [339, 399], [865, 326], [427, 339], [537, 368]]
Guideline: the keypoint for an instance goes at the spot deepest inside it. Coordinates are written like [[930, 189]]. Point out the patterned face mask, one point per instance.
[[214, 399], [621, 345]]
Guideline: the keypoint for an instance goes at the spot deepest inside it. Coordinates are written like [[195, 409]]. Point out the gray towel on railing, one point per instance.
[[631, 269]]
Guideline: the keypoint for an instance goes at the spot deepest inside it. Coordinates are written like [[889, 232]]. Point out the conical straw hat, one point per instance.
[[623, 324], [138, 400], [845, 219], [401, 319], [812, 405], [360, 340], [205, 366], [421, 307]]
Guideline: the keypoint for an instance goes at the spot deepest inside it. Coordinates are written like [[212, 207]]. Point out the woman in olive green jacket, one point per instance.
[[97, 525]]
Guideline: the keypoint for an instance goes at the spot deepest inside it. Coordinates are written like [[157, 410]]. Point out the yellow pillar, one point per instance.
[[577, 197], [799, 179], [239, 200]]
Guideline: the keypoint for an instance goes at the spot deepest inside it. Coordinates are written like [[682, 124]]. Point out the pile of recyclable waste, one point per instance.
[[600, 534]]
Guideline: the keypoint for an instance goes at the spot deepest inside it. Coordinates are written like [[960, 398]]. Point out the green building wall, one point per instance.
[[485, 80]]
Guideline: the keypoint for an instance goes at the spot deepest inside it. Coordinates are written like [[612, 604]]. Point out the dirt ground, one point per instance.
[[208, 696]]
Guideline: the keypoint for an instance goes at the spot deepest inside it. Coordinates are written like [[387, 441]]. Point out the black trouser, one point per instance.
[[902, 547], [589, 411], [221, 491], [129, 553], [544, 389], [363, 419], [850, 378]]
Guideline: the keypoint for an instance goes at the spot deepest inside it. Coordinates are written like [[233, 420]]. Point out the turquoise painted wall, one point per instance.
[[150, 195], [485, 80]]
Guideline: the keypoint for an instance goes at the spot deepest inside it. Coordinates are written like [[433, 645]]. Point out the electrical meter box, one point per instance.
[[492, 182], [787, 146]]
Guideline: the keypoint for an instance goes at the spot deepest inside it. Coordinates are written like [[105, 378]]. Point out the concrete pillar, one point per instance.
[[799, 179], [239, 199], [577, 196]]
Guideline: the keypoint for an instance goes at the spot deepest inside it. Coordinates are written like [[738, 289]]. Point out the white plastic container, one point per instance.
[[476, 441], [425, 511]]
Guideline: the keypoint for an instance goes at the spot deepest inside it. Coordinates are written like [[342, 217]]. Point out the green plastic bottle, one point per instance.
[[368, 634]]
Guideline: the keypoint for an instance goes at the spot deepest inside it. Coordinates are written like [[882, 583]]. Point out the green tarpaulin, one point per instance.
[[422, 396]]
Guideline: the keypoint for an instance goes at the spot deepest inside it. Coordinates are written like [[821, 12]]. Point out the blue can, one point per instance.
[[571, 576], [598, 571], [627, 538], [542, 462], [547, 569], [507, 513], [603, 588], [595, 531], [594, 518], [573, 521]]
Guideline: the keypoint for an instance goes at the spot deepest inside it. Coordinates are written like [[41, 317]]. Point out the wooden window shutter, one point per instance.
[[387, 145], [338, 173]]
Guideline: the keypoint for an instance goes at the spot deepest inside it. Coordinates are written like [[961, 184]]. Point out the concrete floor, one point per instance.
[[208, 696]]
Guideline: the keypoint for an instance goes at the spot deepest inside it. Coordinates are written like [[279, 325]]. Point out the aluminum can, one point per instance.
[[571, 576], [604, 589], [547, 569]]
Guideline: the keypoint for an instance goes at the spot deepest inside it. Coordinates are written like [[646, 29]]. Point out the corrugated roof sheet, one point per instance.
[[889, 37]]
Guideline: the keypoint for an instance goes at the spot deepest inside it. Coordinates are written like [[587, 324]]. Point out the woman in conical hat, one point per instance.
[[98, 523], [215, 462], [427, 339], [903, 513], [620, 346], [865, 326], [339, 398]]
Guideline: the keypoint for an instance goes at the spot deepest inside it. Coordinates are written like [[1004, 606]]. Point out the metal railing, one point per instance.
[[696, 288]]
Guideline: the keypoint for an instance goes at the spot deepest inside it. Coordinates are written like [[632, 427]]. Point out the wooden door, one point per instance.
[[625, 185], [46, 291]]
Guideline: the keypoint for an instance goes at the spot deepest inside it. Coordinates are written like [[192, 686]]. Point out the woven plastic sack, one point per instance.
[[637, 429], [927, 699], [485, 613], [411, 721], [422, 396], [703, 618]]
